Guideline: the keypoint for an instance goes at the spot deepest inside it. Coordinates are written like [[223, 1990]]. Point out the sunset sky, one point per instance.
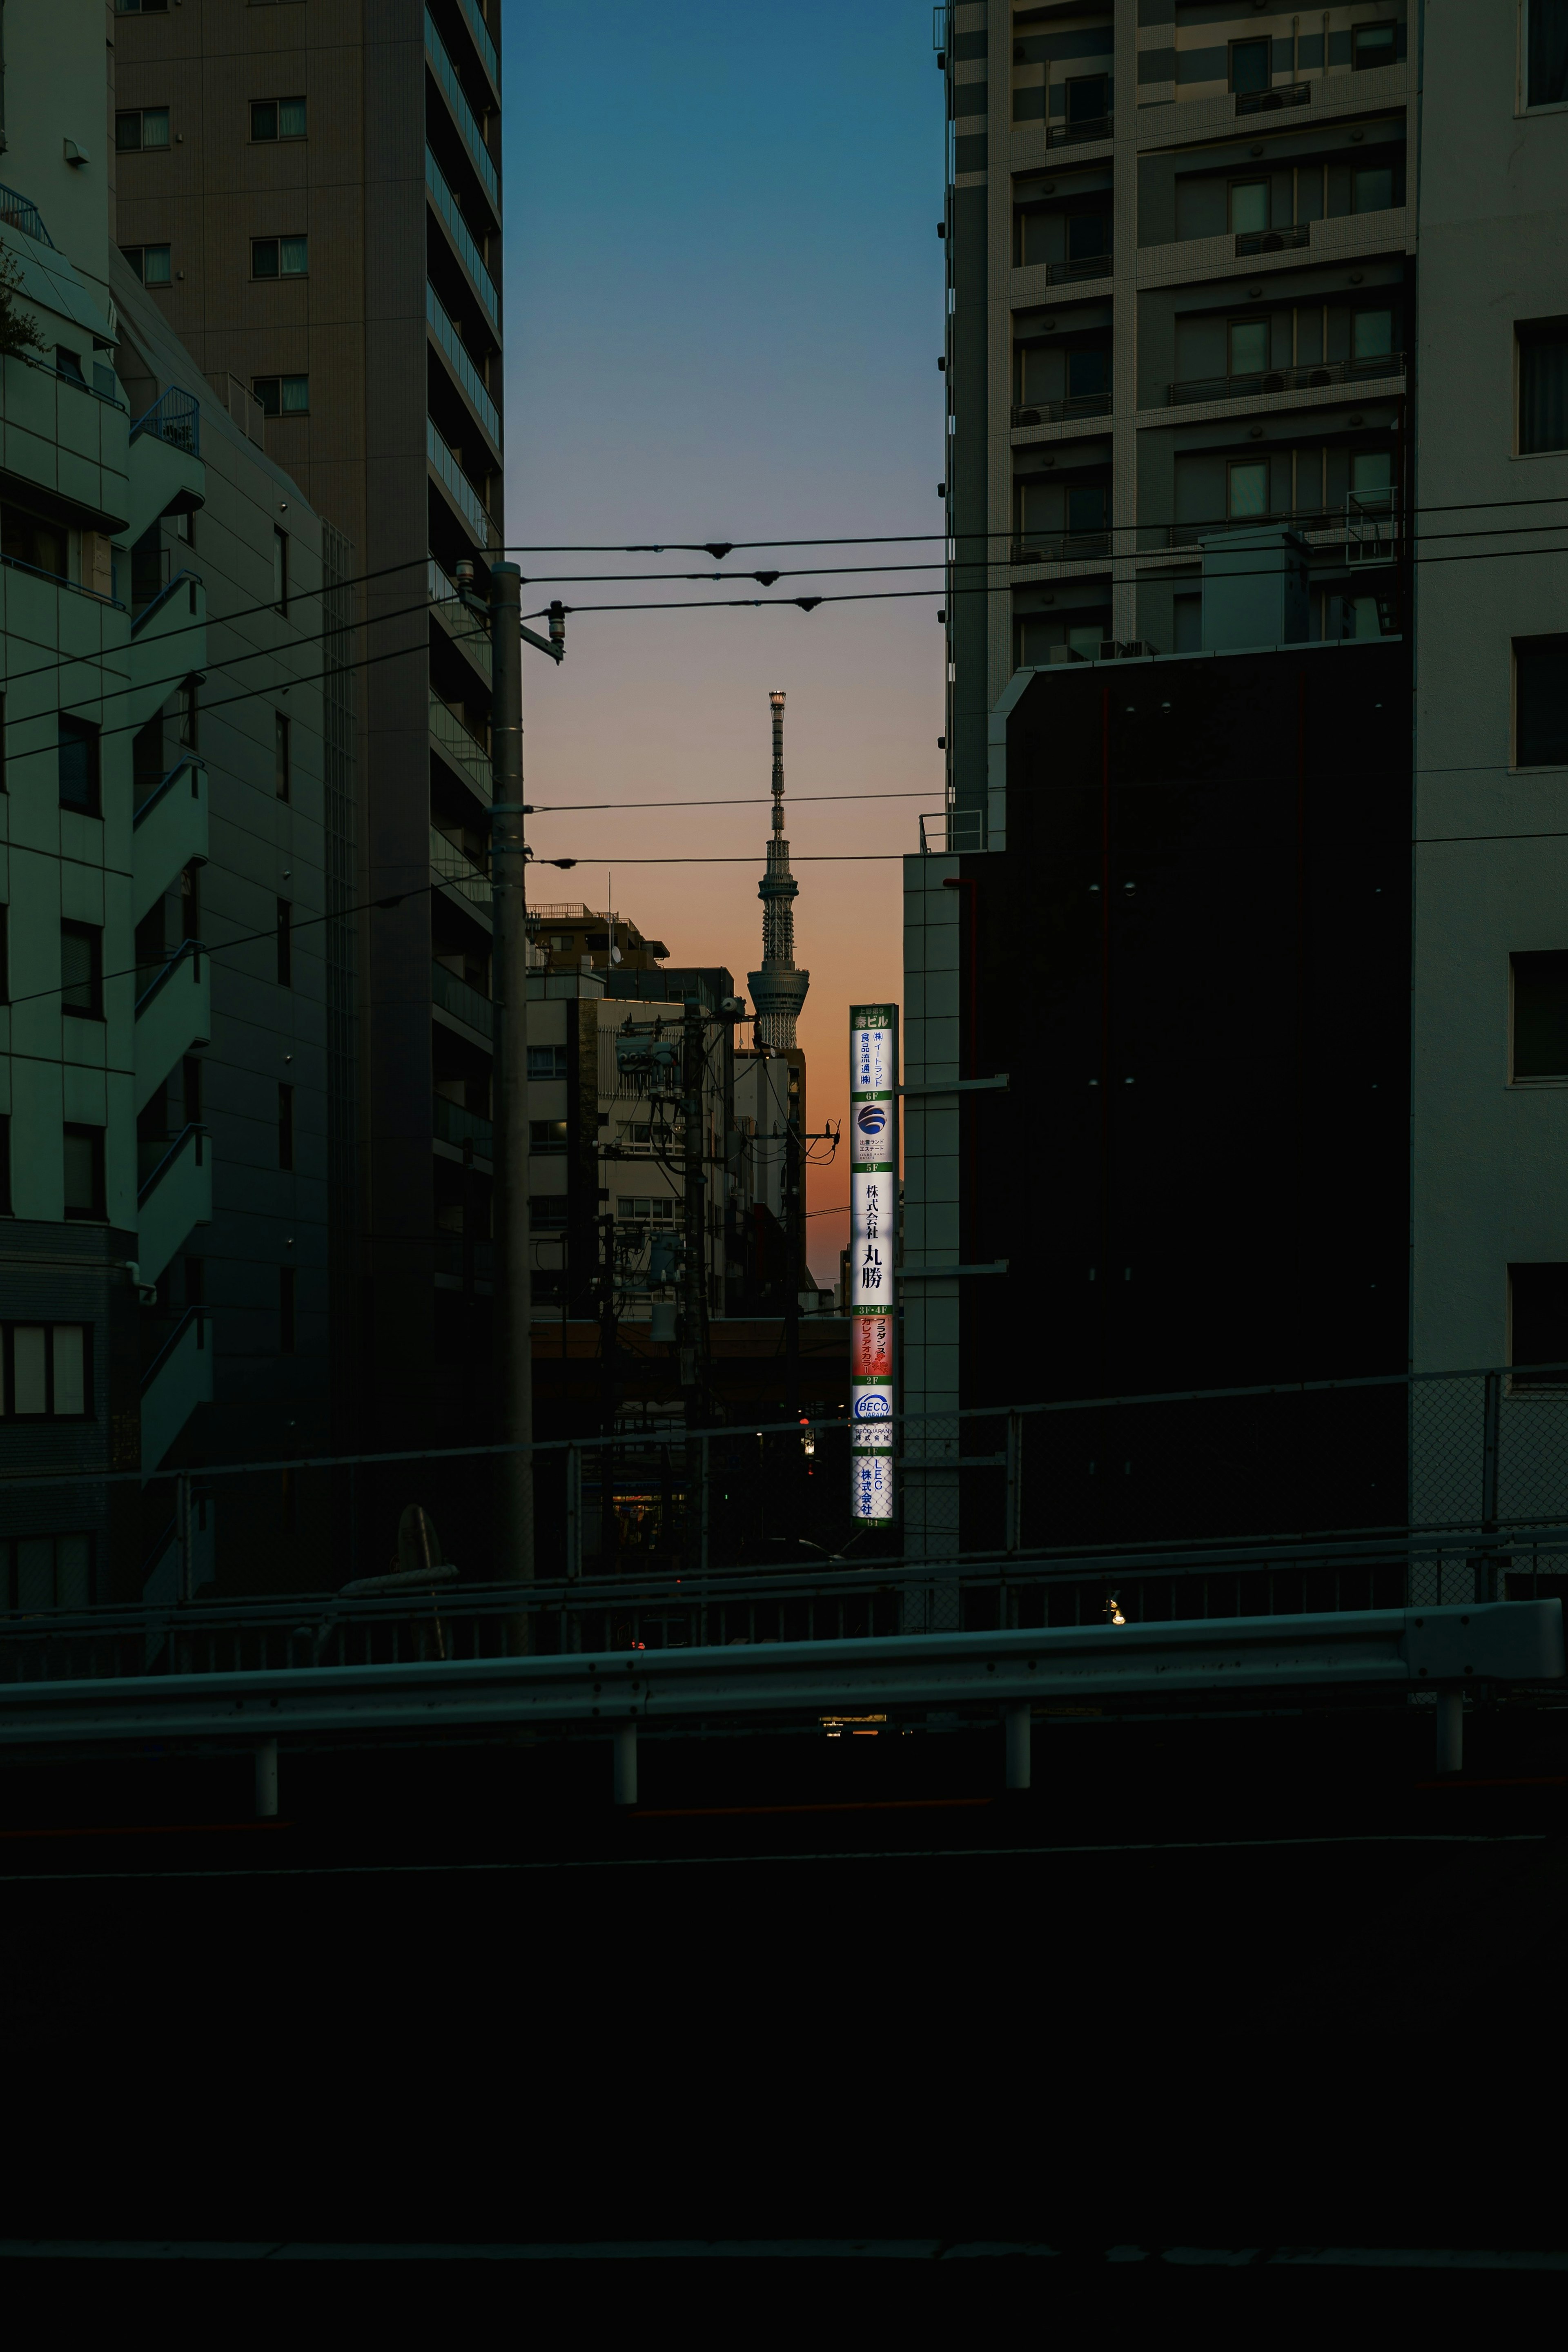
[[724, 292]]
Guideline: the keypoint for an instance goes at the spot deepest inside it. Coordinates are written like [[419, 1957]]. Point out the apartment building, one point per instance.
[[310, 191], [1255, 359]]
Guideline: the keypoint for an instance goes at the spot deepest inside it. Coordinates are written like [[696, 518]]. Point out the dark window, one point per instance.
[[282, 395], [151, 263], [84, 1172], [280, 568], [141, 7], [1251, 65], [188, 708], [192, 1088], [547, 1213], [282, 766], [1373, 45], [81, 971], [28, 539], [1087, 505], [286, 1127], [278, 118], [546, 1135], [547, 1062], [287, 1317], [195, 1281], [5, 955], [3, 786], [146, 760], [1088, 99], [1541, 702], [1547, 77], [1372, 189], [1541, 1015], [1088, 236], [284, 944], [47, 1370], [5, 1164], [1087, 372], [78, 748], [142, 126], [47, 1571], [1538, 1320], [278, 257], [1544, 386], [68, 363]]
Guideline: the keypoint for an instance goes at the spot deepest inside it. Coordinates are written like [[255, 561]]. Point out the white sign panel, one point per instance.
[[873, 1250]]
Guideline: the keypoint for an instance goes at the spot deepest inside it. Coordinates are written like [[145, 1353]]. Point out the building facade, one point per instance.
[[1255, 691], [313, 196]]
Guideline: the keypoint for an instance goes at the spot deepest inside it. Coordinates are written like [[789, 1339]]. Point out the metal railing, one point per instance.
[[456, 98], [1273, 240], [1270, 101], [459, 620], [1062, 412], [1071, 273], [187, 761], [1064, 134], [466, 499], [1060, 546], [1316, 376], [461, 746], [450, 214], [464, 1002], [190, 581], [175, 417], [953, 833], [482, 41], [455, 870], [200, 1317], [444, 328], [1366, 517], [188, 951], [150, 1183], [454, 1124], [20, 211], [58, 579]]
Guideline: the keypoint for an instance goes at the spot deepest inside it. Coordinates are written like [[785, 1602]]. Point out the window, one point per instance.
[[547, 1213], [141, 7], [5, 1163], [278, 118], [1372, 480], [81, 971], [5, 954], [69, 363], [28, 539], [548, 1062], [1541, 702], [1371, 336], [286, 1127], [1088, 374], [287, 1317], [1373, 45], [1248, 346], [282, 395], [151, 263], [1539, 1049], [3, 786], [1247, 488], [280, 568], [1251, 66], [1088, 236], [1546, 64], [46, 1571], [278, 257], [640, 1212], [282, 756], [1088, 505], [284, 944], [141, 127], [83, 1157], [1537, 1322], [546, 1135], [1543, 386], [1088, 99], [1371, 188], [1248, 206]]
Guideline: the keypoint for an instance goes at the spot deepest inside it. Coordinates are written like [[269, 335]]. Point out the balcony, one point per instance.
[[1290, 379], [1270, 101], [20, 211], [453, 1125], [173, 1200], [461, 1000], [459, 878], [953, 833], [466, 751], [1273, 240], [1367, 527], [1075, 273], [1060, 546], [169, 831], [1075, 134], [178, 1380], [1063, 412], [459, 620], [480, 34], [459, 489], [165, 460], [463, 114], [445, 332], [450, 214], [173, 1013]]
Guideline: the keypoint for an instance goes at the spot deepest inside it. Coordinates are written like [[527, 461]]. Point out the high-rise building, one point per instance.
[[310, 191], [1257, 713]]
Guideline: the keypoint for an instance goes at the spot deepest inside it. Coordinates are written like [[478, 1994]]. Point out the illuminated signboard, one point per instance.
[[873, 1246]]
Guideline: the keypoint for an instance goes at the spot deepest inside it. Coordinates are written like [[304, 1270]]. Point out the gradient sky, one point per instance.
[[724, 300]]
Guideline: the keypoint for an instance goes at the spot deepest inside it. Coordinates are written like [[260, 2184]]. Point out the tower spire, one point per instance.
[[778, 989]]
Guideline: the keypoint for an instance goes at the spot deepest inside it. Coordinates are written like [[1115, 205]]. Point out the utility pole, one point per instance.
[[606, 1343], [693, 1270], [509, 988]]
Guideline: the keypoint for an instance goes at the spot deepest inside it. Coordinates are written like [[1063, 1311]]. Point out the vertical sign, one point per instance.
[[874, 1241]]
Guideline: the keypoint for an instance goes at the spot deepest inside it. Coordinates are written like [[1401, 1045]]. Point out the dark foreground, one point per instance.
[[1250, 1983]]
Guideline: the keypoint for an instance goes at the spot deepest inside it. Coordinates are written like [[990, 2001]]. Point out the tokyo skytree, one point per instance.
[[778, 989]]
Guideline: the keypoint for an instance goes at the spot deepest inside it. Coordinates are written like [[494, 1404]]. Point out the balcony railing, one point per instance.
[[1062, 412], [457, 872], [465, 497], [482, 41], [461, 624], [177, 419], [1368, 525], [1060, 546], [1072, 273], [20, 211], [460, 745], [953, 833], [452, 1124], [467, 375], [1072, 134], [1270, 101], [450, 81], [1289, 379], [464, 1002], [1273, 240], [462, 236]]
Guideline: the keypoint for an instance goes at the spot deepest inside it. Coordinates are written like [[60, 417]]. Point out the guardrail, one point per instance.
[[189, 761], [18, 211], [190, 580], [1071, 273], [1062, 412], [175, 417], [1313, 378], [1270, 101]]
